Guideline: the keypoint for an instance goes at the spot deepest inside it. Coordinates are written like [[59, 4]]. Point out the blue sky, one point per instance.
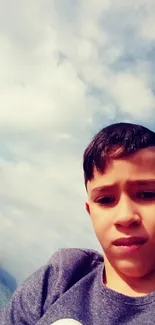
[[68, 68]]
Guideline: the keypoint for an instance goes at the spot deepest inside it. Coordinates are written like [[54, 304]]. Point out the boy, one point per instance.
[[80, 286]]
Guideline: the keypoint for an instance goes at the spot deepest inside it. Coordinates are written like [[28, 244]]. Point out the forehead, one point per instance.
[[139, 166]]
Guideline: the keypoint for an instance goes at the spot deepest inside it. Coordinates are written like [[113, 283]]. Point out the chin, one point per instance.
[[131, 269]]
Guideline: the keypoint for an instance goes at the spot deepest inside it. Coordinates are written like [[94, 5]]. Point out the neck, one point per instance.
[[128, 285]]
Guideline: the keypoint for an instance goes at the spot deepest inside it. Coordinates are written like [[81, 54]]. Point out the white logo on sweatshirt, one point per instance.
[[66, 321]]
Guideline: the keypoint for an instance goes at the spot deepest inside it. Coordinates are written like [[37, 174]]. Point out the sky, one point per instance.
[[68, 68]]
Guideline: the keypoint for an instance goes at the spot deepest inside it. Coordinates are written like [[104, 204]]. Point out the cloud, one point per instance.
[[67, 69], [132, 95]]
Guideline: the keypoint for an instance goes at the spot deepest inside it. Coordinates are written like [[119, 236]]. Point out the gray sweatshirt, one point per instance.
[[69, 290]]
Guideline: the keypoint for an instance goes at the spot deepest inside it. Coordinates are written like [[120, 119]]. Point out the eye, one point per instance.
[[147, 195], [106, 200]]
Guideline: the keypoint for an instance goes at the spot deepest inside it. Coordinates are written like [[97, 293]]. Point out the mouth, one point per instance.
[[128, 241], [129, 244]]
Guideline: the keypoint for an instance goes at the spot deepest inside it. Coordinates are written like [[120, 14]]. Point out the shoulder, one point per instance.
[[75, 256], [65, 268], [68, 267]]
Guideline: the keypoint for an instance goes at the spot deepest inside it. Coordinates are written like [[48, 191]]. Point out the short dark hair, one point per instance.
[[113, 142]]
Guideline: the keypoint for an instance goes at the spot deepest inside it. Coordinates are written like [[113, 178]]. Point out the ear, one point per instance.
[[87, 207]]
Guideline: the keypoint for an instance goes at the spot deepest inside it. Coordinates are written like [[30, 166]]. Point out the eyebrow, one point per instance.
[[106, 188]]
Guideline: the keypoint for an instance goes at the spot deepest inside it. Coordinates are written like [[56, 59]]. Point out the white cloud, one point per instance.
[[132, 95]]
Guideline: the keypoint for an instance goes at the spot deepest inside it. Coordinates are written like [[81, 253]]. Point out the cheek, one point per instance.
[[149, 224], [101, 222], [148, 217]]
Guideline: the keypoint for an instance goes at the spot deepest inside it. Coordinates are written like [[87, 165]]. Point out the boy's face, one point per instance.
[[121, 203]]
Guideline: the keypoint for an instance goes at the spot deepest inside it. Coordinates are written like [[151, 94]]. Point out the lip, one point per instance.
[[130, 241], [127, 246]]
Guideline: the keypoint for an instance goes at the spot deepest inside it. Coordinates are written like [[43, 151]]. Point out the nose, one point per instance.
[[127, 214]]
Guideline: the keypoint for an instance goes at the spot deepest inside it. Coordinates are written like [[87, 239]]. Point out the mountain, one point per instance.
[[8, 285]]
